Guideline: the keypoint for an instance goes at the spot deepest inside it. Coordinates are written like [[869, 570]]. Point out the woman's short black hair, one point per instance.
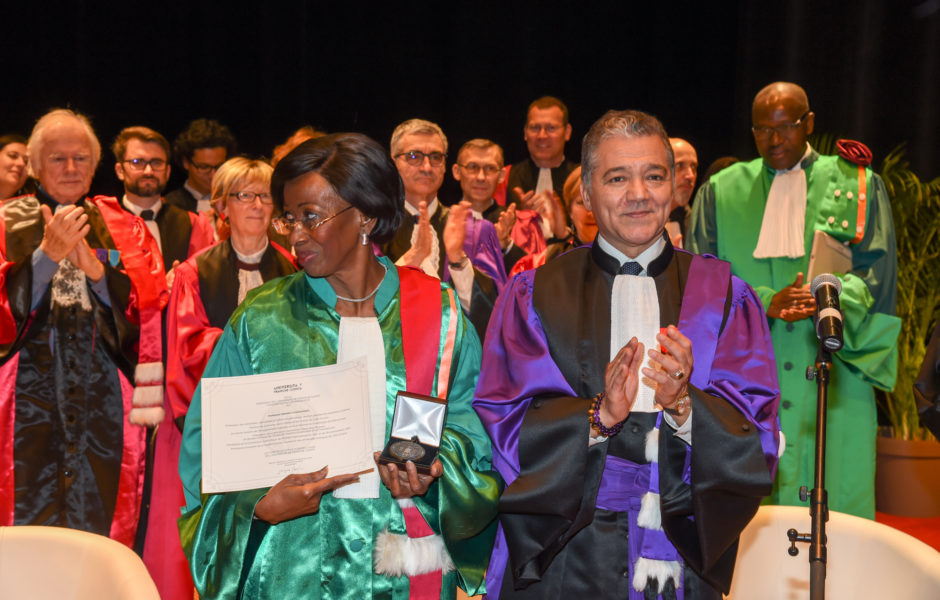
[[359, 170]]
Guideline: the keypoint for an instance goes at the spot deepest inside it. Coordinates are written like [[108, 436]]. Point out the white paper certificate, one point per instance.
[[257, 429]]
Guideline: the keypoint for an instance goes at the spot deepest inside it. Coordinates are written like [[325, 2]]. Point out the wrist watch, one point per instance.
[[682, 404], [460, 264]]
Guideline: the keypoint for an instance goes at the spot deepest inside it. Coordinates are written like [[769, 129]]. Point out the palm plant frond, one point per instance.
[[915, 207]]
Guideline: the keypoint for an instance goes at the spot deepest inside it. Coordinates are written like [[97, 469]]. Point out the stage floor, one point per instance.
[[926, 530]]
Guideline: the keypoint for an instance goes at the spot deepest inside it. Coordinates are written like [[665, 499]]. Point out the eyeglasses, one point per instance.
[[204, 168], [535, 128], [140, 164], [248, 197], [783, 130], [416, 158], [311, 222], [474, 168]]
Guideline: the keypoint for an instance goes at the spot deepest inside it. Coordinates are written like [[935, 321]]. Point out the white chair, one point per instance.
[[54, 562], [865, 560]]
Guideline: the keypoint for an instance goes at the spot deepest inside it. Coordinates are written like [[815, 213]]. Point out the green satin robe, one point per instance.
[[726, 221], [291, 323]]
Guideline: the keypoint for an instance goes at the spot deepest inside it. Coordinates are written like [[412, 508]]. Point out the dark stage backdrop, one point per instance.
[[870, 68]]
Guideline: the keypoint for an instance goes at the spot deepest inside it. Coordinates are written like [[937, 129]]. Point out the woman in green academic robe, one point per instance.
[[393, 533]]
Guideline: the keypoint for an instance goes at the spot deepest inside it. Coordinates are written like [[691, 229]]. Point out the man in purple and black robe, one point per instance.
[[648, 497]]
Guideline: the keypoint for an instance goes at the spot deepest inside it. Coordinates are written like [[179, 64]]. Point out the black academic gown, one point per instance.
[[182, 198], [525, 175], [69, 419], [515, 253], [562, 545]]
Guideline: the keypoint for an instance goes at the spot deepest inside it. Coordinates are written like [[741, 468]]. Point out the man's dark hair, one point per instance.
[[203, 133], [548, 102], [137, 132], [621, 123], [360, 172]]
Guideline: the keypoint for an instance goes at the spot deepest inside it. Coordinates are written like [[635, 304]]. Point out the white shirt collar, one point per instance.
[[251, 259], [644, 258], [136, 210], [432, 208]]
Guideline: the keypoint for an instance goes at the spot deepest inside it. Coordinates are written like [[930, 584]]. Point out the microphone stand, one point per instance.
[[819, 497]]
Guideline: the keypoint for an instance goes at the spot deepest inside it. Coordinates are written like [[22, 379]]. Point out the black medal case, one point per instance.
[[418, 422]]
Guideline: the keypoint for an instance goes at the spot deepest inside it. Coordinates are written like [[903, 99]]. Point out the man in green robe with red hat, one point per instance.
[[762, 216]]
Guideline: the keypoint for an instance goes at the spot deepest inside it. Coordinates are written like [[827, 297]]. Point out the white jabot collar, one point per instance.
[[545, 181], [783, 226]]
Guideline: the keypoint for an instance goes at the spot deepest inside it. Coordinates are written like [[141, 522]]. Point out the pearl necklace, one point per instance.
[[372, 293]]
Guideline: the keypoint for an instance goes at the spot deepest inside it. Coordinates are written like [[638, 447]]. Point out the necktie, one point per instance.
[[146, 215], [630, 268]]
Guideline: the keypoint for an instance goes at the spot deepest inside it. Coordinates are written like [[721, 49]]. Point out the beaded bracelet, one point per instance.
[[594, 418]]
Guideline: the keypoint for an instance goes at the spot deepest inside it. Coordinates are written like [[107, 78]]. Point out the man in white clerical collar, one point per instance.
[[536, 183], [628, 184], [763, 216], [582, 357]]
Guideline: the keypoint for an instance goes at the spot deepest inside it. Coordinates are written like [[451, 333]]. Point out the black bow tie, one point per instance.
[[630, 268], [147, 215], [248, 266]]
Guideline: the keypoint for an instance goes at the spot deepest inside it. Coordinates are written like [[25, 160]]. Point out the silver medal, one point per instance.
[[406, 451]]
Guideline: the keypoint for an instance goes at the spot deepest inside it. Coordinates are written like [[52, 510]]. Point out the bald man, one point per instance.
[[762, 216], [686, 171], [686, 175]]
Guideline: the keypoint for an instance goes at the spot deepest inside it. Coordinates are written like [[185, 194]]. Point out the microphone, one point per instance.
[[826, 289]]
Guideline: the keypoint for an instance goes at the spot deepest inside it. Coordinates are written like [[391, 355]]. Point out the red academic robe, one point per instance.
[[68, 455], [205, 292]]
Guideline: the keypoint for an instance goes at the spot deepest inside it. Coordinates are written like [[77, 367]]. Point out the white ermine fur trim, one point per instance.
[[649, 516], [405, 502], [652, 446], [151, 372], [148, 395], [146, 417], [660, 570], [397, 554]]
